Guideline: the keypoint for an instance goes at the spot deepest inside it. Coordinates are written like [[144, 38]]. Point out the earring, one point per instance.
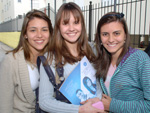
[[101, 43]]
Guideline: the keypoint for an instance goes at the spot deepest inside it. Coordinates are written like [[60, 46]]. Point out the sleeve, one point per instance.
[[99, 89], [46, 100], [136, 106], [6, 86]]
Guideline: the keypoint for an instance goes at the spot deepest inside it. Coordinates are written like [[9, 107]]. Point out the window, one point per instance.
[[7, 7], [19, 0]]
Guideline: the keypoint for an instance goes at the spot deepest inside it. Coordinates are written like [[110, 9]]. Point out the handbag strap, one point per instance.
[[49, 71]]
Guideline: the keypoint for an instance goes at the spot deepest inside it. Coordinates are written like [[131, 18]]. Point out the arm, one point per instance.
[[50, 104], [137, 105], [47, 101], [6, 86], [99, 89], [119, 106]]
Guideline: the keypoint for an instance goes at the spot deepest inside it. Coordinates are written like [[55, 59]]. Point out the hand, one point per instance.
[[92, 100], [88, 108], [106, 101]]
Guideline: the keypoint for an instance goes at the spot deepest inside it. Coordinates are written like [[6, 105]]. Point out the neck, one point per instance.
[[34, 57], [73, 49], [114, 60]]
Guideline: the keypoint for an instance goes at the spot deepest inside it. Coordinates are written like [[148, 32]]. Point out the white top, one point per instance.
[[34, 77], [47, 100]]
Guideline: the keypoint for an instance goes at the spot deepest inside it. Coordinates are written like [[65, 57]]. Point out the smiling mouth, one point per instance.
[[112, 45], [40, 41], [71, 34]]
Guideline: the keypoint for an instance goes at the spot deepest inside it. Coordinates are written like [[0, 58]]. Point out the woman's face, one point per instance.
[[70, 31], [37, 34], [113, 37]]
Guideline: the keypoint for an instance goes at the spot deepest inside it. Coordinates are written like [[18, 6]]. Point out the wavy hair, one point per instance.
[[23, 43]]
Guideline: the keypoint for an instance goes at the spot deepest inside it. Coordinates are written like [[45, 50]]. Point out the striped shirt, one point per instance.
[[130, 84]]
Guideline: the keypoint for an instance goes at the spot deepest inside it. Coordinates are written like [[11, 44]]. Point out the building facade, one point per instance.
[[10, 9]]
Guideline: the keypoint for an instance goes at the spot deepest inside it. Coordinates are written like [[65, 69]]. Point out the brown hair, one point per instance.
[[23, 43], [103, 60], [59, 47]]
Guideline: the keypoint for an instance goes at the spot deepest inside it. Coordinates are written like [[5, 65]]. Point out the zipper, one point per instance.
[[112, 78], [103, 86]]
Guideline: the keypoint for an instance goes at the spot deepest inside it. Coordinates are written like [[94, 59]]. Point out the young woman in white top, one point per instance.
[[19, 76], [69, 45]]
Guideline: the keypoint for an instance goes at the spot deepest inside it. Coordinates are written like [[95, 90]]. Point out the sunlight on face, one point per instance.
[[37, 34], [113, 37], [70, 31]]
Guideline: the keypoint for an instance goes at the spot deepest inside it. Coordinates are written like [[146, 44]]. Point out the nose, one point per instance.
[[111, 39], [39, 34], [71, 27]]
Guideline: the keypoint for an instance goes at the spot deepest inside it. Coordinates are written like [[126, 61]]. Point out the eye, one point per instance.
[[32, 30], [64, 23], [117, 33], [104, 34], [45, 29], [76, 22]]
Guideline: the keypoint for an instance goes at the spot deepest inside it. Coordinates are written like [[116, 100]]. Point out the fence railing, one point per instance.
[[137, 15]]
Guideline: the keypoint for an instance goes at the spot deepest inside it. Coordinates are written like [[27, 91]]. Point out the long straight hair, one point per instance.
[[103, 59], [23, 42], [59, 48]]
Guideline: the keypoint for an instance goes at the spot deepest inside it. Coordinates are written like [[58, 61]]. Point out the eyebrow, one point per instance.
[[117, 31], [113, 31], [36, 27]]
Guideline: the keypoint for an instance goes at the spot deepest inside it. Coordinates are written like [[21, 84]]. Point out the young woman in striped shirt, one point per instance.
[[124, 72]]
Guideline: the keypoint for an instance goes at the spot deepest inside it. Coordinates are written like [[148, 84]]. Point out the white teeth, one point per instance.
[[39, 41], [71, 34], [112, 45]]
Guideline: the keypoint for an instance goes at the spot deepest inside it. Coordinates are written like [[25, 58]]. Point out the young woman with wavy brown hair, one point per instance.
[[19, 77]]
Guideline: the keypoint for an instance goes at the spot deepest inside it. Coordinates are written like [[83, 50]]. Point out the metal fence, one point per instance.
[[137, 15]]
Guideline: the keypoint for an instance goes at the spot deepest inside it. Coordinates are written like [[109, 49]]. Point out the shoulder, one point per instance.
[[15, 56], [46, 54], [134, 56], [138, 54], [13, 59], [93, 46]]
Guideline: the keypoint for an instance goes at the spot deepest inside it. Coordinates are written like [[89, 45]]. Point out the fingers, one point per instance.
[[92, 100], [83, 102], [104, 96]]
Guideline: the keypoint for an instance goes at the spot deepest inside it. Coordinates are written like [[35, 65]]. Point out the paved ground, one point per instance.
[[3, 49]]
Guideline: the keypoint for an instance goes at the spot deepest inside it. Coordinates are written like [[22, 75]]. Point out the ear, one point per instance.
[[25, 36]]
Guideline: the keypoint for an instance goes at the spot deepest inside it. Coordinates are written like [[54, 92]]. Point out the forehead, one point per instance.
[[37, 22], [67, 14], [112, 26]]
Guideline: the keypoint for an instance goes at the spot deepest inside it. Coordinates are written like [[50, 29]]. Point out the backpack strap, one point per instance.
[[59, 71], [47, 69]]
